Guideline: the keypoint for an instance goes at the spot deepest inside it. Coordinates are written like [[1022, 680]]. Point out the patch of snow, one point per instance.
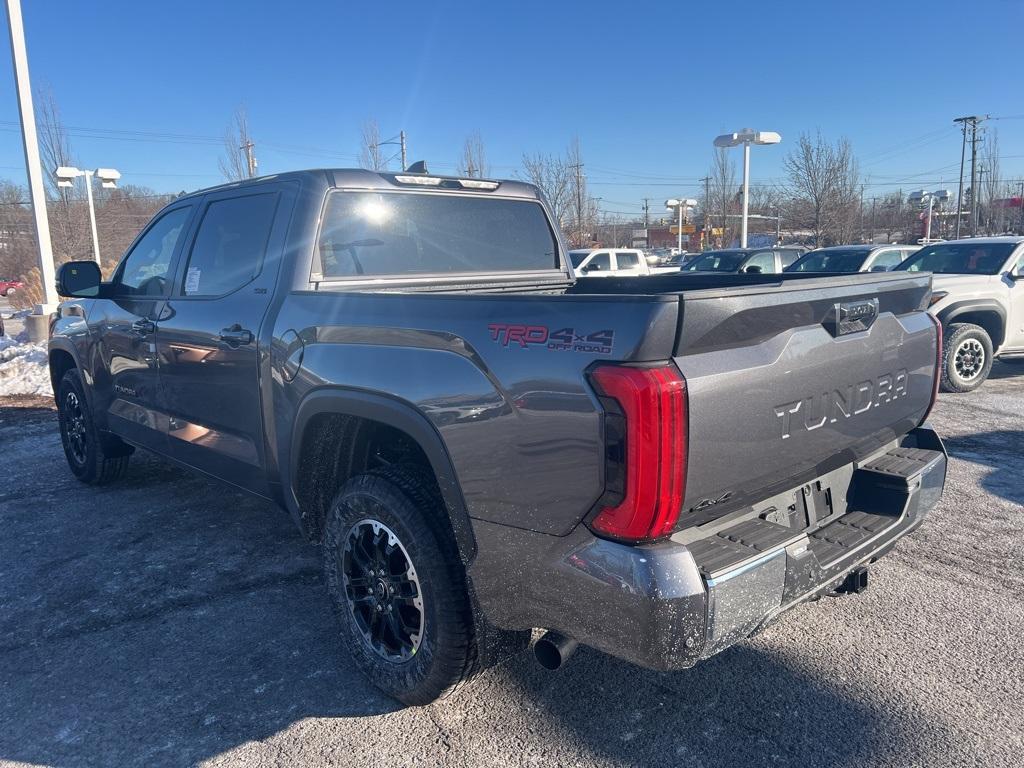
[[23, 367]]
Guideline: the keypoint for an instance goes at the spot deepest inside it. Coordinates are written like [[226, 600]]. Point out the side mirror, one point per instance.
[[753, 269], [879, 268], [79, 280]]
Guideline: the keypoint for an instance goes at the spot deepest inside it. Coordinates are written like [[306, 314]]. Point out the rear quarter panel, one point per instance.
[[493, 376]]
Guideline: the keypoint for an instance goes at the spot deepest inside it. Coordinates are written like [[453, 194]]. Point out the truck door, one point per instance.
[[209, 340], [1015, 318], [124, 371]]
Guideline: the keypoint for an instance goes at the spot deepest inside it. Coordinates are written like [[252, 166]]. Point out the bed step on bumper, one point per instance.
[[757, 569]]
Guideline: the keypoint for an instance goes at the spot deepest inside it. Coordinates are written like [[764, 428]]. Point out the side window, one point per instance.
[[145, 270], [599, 262], [230, 244], [761, 262], [788, 256], [886, 259], [626, 260]]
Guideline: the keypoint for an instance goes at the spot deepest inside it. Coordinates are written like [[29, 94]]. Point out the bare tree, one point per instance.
[[992, 186], [825, 185], [474, 160], [239, 160], [370, 155], [68, 216], [550, 174], [54, 144], [722, 191]]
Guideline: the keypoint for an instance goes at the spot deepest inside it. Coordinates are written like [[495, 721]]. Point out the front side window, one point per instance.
[[601, 262], [839, 260], [230, 244], [370, 234], [144, 271], [716, 261], [964, 258]]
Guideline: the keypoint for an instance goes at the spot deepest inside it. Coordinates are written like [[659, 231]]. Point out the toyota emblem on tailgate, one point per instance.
[[851, 317]]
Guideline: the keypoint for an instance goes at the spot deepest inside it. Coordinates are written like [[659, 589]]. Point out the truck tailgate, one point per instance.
[[787, 382]]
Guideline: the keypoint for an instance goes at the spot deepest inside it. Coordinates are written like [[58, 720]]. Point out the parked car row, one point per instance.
[[978, 288]]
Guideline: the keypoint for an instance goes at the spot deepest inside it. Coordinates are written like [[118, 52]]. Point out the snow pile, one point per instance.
[[23, 367]]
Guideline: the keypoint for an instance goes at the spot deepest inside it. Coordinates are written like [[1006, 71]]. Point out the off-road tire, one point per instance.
[[93, 458], [456, 641], [961, 346]]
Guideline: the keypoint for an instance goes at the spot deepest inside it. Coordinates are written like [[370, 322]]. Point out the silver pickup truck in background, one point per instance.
[[483, 444]]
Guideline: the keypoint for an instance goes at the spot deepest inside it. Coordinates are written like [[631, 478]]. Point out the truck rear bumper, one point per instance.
[[668, 605]]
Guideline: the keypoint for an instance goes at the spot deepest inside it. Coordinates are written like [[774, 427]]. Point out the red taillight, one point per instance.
[[651, 446], [938, 365]]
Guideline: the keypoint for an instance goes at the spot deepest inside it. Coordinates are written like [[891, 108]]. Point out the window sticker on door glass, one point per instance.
[[192, 280]]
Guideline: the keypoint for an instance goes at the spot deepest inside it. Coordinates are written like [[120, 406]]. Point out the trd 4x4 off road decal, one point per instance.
[[561, 340]]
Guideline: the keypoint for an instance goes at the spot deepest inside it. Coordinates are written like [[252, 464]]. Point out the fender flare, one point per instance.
[[400, 415], [949, 314], [60, 344]]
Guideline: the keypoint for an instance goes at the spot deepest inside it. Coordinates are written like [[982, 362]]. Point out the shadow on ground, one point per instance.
[[166, 620], [1003, 369], [1002, 451]]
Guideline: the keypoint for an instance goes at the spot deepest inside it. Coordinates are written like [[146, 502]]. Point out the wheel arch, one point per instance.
[[375, 411], [986, 313], [61, 359]]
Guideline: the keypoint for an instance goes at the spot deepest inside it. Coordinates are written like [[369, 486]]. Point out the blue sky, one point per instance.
[[646, 86]]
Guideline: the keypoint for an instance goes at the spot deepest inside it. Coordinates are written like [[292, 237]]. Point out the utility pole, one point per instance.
[[647, 213], [401, 138], [250, 157], [33, 165], [960, 189], [972, 121], [579, 203]]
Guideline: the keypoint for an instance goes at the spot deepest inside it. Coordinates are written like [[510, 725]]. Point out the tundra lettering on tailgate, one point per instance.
[[853, 400]]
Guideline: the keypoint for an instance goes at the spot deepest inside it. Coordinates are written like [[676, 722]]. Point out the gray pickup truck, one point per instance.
[[483, 445]]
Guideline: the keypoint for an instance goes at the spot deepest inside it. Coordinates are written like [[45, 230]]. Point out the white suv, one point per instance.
[[978, 295]]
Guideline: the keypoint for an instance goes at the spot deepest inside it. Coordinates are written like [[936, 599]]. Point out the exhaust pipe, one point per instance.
[[554, 649]]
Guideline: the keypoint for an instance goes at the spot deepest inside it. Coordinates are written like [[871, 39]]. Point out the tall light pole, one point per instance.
[[32, 163], [66, 176], [674, 204], [746, 137]]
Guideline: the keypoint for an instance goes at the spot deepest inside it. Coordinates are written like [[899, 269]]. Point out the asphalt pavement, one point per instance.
[[166, 620]]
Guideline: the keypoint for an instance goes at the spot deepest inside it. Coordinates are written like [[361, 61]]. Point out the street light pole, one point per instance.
[[746, 137], [679, 230], [33, 166], [66, 176], [92, 217], [746, 194]]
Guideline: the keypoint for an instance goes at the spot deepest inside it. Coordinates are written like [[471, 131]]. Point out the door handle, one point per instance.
[[236, 335], [143, 327]]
